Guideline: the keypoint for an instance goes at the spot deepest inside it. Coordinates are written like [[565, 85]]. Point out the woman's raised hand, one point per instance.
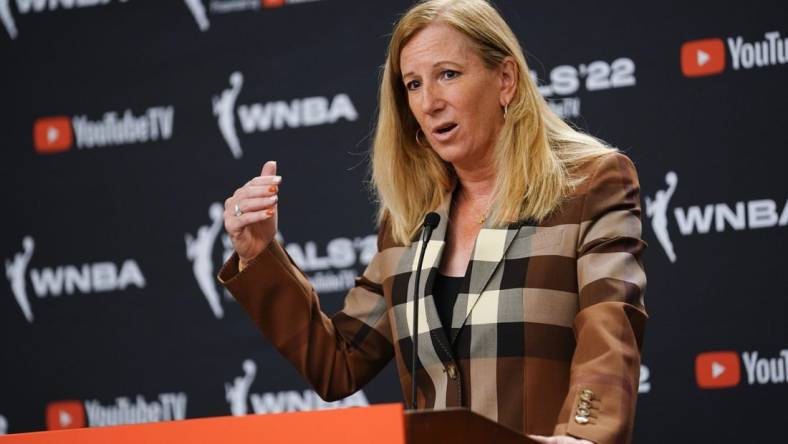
[[250, 215]]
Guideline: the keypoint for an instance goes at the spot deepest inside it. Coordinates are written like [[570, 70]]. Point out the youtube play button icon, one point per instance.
[[702, 57], [717, 369], [52, 134], [63, 415]]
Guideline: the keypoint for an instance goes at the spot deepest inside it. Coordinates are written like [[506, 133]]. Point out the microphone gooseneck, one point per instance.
[[431, 221]]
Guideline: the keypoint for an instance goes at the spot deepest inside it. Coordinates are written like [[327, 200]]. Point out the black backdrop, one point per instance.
[[109, 239]]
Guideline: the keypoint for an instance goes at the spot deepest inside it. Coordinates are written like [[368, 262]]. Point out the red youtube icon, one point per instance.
[[52, 134], [65, 415], [704, 57], [717, 369]]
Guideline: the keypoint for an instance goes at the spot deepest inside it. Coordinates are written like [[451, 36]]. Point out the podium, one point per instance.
[[379, 424], [454, 426]]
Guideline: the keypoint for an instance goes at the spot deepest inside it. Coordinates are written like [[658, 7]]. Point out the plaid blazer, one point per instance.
[[546, 331]]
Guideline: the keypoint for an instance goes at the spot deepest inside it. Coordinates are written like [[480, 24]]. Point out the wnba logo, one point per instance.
[[36, 6], [239, 398], [276, 115], [48, 282], [703, 219]]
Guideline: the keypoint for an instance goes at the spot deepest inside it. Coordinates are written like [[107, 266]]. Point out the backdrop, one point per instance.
[[125, 125]]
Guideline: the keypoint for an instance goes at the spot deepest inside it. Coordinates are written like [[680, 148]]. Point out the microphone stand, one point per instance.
[[430, 222]]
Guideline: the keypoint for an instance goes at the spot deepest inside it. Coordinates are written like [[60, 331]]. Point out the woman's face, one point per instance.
[[455, 98]]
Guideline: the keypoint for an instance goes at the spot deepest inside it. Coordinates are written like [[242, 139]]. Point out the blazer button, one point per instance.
[[581, 419], [451, 369]]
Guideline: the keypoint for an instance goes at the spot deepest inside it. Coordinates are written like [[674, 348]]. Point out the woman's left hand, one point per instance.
[[563, 439]]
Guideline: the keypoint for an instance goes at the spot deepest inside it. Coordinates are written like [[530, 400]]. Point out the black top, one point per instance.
[[445, 292]]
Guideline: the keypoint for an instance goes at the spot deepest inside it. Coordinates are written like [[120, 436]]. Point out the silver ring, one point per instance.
[[238, 211]]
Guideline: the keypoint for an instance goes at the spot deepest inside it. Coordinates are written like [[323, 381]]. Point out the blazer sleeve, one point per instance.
[[609, 327], [338, 355]]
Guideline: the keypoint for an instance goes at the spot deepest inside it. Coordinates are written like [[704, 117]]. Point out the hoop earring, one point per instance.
[[418, 142]]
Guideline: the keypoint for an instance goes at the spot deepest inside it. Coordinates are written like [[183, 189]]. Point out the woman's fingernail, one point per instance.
[[277, 179], [273, 189], [270, 212], [275, 199]]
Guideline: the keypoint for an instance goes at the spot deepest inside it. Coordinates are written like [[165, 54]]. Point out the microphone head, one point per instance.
[[431, 220]]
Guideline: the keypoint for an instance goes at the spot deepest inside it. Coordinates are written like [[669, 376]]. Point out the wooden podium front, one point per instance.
[[380, 424]]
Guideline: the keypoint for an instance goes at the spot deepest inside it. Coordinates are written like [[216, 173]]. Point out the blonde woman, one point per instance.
[[532, 288]]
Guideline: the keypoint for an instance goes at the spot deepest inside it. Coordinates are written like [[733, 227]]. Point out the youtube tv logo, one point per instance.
[[714, 370], [52, 134], [65, 415], [704, 57]]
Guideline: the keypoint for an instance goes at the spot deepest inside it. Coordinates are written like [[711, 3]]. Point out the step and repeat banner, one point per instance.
[[126, 124]]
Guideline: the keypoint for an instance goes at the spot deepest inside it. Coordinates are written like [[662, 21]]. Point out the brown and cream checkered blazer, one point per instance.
[[546, 331]]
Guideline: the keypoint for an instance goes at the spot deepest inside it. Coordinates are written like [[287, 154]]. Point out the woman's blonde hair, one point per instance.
[[536, 153]]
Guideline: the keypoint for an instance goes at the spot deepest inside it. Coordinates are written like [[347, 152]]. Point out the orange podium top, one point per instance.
[[382, 424]]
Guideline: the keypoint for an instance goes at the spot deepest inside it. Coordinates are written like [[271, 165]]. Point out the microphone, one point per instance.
[[431, 221]]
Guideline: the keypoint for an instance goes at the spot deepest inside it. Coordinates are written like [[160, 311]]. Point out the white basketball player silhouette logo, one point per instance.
[[198, 11], [199, 250], [657, 210], [238, 391], [224, 110], [7, 18], [15, 272]]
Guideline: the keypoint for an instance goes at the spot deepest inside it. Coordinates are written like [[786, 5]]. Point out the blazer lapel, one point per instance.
[[488, 253], [489, 250]]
